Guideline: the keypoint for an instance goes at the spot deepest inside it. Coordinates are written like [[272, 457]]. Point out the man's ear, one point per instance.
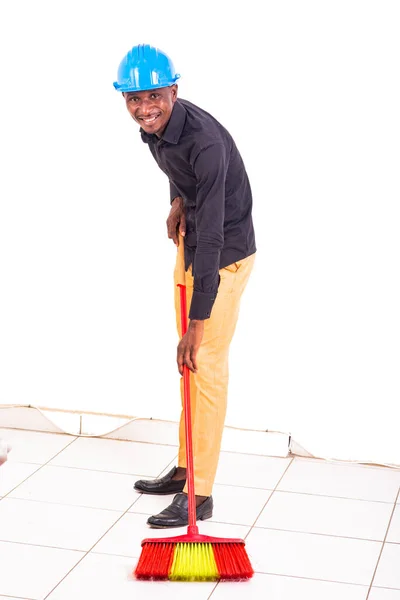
[[174, 90]]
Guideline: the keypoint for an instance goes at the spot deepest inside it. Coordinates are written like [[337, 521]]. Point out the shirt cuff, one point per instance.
[[174, 192], [201, 306]]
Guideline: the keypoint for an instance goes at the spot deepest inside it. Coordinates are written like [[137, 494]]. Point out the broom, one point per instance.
[[192, 557]]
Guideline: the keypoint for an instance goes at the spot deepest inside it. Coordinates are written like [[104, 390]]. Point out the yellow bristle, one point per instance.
[[194, 562]]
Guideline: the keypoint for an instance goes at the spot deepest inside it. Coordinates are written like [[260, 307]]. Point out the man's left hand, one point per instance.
[[189, 346]]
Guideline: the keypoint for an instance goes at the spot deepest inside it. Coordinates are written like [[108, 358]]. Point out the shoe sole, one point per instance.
[[202, 518], [156, 493]]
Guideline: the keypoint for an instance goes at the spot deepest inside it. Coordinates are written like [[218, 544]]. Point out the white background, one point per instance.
[[310, 92]]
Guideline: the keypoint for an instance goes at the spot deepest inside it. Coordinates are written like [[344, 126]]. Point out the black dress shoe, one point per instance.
[[176, 514], [164, 485]]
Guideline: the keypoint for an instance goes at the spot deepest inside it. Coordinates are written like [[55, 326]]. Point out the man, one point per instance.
[[211, 204]]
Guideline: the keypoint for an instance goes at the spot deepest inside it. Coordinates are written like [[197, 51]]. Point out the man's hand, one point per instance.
[[189, 346], [176, 221]]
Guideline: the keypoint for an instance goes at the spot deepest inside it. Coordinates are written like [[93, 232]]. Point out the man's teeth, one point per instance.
[[149, 119]]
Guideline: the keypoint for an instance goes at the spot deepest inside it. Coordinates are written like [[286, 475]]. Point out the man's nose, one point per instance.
[[145, 106]]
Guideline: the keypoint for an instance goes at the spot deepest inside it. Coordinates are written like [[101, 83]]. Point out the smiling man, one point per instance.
[[211, 207]]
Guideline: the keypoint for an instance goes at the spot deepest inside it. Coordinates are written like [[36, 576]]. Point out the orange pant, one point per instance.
[[209, 387]]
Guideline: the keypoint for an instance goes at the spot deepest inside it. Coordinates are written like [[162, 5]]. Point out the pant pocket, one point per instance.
[[234, 267]]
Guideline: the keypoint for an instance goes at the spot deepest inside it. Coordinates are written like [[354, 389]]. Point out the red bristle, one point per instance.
[[232, 562], [155, 560]]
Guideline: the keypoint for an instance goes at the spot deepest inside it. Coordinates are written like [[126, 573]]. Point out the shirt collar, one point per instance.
[[174, 128]]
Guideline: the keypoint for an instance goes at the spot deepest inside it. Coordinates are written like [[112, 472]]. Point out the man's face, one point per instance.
[[152, 109]]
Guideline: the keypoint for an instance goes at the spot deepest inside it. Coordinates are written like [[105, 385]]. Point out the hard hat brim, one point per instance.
[[127, 87]]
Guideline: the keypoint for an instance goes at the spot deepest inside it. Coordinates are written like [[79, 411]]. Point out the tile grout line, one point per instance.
[[383, 544], [83, 468], [334, 497], [16, 597], [330, 535], [213, 590], [269, 498], [41, 546], [393, 544], [347, 463], [384, 587], [66, 504], [359, 585]]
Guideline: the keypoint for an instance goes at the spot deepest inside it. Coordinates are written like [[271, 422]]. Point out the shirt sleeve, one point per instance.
[[174, 192], [210, 170]]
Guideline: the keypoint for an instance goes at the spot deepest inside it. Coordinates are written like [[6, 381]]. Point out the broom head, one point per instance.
[[194, 557]]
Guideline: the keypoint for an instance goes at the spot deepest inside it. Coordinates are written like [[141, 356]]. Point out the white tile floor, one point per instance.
[[71, 524]]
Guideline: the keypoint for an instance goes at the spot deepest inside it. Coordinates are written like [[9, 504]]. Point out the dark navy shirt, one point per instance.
[[204, 166]]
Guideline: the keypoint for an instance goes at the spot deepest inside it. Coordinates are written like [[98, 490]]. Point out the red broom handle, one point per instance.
[[188, 423], [186, 396]]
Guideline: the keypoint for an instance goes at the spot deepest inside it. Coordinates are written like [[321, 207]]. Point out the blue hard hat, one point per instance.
[[145, 68]]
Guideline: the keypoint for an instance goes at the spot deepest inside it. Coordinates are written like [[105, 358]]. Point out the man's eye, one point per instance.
[[155, 95], [133, 99]]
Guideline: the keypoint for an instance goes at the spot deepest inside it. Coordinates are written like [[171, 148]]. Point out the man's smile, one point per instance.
[[150, 119]]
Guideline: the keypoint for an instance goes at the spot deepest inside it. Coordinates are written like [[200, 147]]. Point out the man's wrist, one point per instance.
[[196, 324]]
